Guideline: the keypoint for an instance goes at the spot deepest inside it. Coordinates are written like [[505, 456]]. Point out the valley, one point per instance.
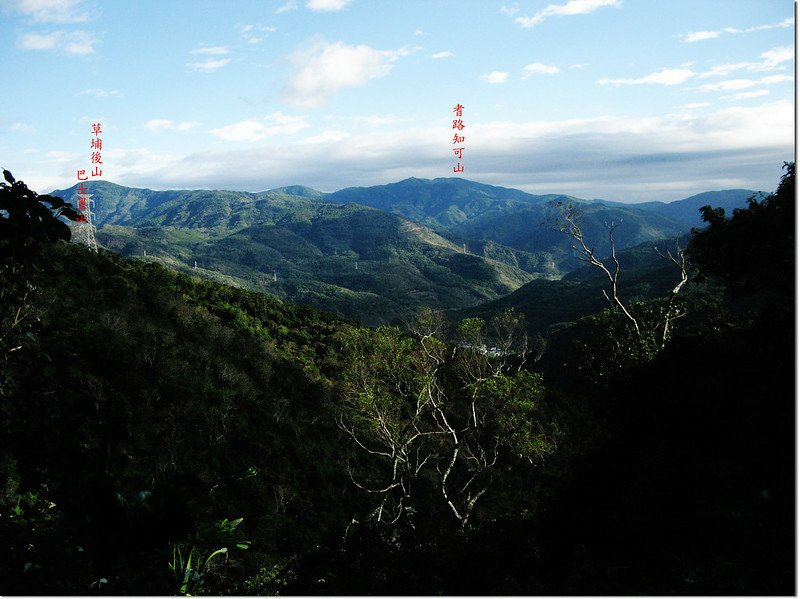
[[377, 254], [512, 432]]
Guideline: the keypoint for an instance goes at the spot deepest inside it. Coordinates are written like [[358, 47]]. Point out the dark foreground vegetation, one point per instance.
[[160, 434]]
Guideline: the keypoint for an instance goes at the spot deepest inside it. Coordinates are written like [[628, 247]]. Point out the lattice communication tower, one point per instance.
[[84, 229]]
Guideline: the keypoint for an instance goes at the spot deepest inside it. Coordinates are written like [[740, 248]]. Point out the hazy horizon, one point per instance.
[[279, 187]]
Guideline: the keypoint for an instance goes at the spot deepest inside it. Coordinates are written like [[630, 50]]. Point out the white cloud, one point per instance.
[[419, 32], [274, 124], [97, 119], [327, 5], [242, 131], [289, 6], [777, 55], [445, 54], [323, 68], [694, 105], [696, 36], [36, 41], [537, 68], [100, 93], [495, 77], [375, 120], [759, 126], [630, 154], [573, 7], [150, 164], [21, 128], [726, 69], [623, 157], [736, 84], [400, 52], [368, 120], [327, 136], [251, 33], [747, 95], [208, 66], [79, 42], [509, 11], [776, 79], [60, 155], [772, 60], [157, 125], [211, 50], [52, 11], [580, 65], [730, 84], [74, 42], [320, 160], [662, 77]]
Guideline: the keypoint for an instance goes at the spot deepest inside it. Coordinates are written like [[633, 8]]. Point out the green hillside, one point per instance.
[[515, 219], [443, 201], [359, 262], [162, 434], [354, 252], [192, 209], [553, 304]]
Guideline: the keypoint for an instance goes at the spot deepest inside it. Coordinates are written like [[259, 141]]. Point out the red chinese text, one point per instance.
[[96, 159], [458, 140]]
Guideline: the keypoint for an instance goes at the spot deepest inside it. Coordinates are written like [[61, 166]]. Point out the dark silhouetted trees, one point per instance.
[[753, 249]]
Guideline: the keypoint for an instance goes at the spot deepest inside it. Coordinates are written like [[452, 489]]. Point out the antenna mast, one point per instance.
[[84, 230]]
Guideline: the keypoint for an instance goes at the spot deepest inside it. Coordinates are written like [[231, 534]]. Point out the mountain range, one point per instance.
[[523, 221], [377, 253]]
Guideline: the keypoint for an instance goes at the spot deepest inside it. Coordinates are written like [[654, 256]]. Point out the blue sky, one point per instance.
[[628, 100]]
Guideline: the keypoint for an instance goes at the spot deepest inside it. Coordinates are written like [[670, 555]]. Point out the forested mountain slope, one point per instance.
[[373, 265], [163, 434], [357, 261], [644, 275], [526, 222]]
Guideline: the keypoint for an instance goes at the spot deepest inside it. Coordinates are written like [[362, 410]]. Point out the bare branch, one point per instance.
[[587, 254], [670, 315], [367, 489], [340, 423], [443, 481]]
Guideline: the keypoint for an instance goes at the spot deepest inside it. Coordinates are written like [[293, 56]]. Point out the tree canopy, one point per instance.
[[753, 249], [163, 434], [27, 217]]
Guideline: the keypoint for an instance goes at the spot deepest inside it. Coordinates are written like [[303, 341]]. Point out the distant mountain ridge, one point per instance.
[[468, 210], [550, 305], [374, 253], [687, 210], [445, 201], [211, 209], [358, 261]]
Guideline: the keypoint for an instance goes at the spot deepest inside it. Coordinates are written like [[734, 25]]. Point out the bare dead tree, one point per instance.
[[587, 254], [569, 223], [672, 313]]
